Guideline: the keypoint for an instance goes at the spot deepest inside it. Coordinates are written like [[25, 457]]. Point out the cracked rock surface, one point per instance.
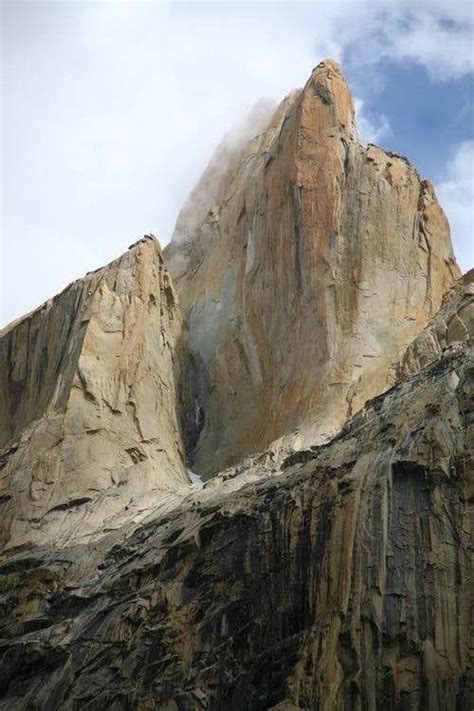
[[304, 267], [315, 364], [90, 395], [337, 579]]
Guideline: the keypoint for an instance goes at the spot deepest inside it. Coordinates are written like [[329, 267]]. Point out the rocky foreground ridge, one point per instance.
[[313, 361]]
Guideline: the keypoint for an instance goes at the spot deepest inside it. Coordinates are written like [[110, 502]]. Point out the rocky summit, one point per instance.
[[236, 474], [303, 271]]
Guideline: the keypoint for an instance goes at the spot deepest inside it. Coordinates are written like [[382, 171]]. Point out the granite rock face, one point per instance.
[[315, 264], [335, 580], [89, 408], [314, 570], [454, 323]]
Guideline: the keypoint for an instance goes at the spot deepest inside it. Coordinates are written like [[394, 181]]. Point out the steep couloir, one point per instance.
[[305, 263]]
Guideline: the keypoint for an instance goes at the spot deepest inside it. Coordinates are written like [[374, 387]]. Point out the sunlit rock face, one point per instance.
[[304, 574], [305, 263], [89, 404]]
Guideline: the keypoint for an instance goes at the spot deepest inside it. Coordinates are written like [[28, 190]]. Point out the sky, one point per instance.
[[110, 111]]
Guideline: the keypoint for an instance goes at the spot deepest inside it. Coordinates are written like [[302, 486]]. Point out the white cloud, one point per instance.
[[439, 38], [456, 195], [371, 128], [435, 34], [111, 110]]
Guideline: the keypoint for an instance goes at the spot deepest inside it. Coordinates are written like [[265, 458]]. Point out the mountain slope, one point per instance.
[[324, 564]]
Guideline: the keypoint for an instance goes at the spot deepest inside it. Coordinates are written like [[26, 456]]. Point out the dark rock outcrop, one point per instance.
[[337, 582]]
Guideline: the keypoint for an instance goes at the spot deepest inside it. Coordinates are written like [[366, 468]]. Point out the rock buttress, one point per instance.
[[90, 401]]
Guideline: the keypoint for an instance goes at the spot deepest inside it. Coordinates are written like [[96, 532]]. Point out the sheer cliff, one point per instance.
[[316, 262], [306, 344], [90, 430]]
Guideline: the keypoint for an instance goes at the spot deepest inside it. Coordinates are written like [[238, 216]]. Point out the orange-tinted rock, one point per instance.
[[331, 577], [315, 264]]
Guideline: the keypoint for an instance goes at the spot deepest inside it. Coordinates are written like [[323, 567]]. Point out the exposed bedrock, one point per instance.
[[336, 580], [89, 413], [315, 364], [305, 263]]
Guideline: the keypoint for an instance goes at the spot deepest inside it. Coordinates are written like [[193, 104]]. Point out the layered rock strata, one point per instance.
[[304, 268], [90, 385]]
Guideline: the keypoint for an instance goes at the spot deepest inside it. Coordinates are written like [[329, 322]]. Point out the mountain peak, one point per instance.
[[328, 100], [327, 70], [314, 263], [307, 267]]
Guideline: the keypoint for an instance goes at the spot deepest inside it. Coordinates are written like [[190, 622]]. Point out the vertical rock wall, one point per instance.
[[338, 580], [91, 388], [317, 263]]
